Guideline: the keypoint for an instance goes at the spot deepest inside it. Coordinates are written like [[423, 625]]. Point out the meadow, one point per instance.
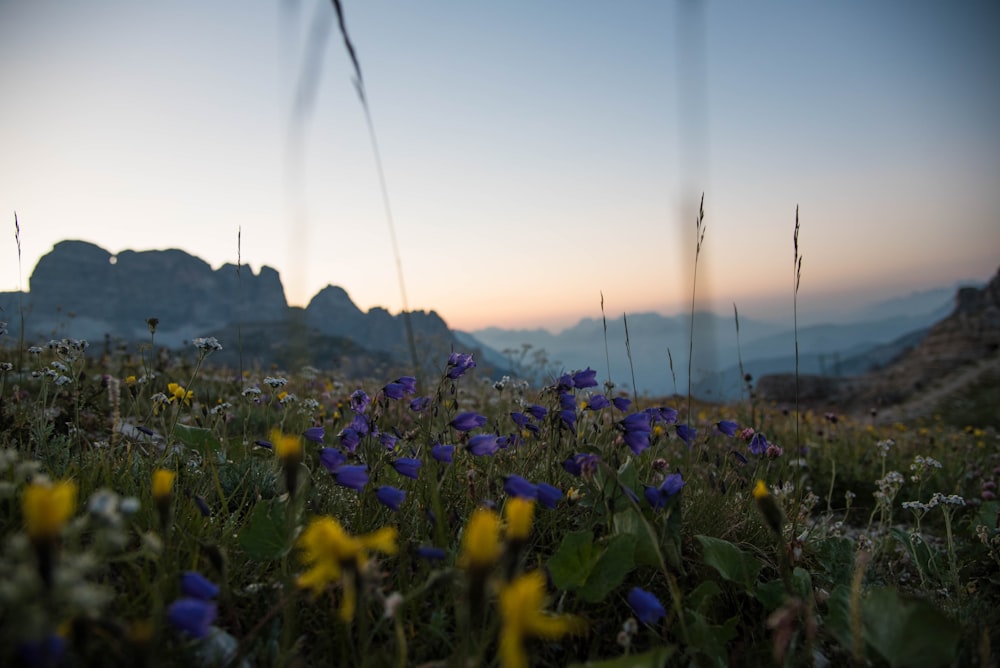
[[156, 509]]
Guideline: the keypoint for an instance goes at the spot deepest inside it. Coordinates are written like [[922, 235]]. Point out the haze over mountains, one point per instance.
[[81, 290]]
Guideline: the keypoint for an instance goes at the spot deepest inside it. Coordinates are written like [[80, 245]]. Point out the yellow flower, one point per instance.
[[286, 446], [130, 381], [46, 509], [519, 513], [163, 485], [760, 491], [769, 508], [521, 611], [333, 555], [481, 540], [176, 392]]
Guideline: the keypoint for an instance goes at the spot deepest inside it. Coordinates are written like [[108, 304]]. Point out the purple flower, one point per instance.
[[520, 419], [637, 428], [202, 506], [548, 495], [359, 424], [360, 401], [458, 364], [264, 444], [332, 459], [584, 379], [662, 414], [658, 496], [146, 430], [515, 485], [419, 404], [314, 434], [537, 412], [443, 453], [390, 497], [597, 402], [727, 427], [192, 616], [394, 391], [686, 433], [406, 466], [409, 384], [468, 421], [483, 444], [758, 444], [622, 403], [741, 457], [568, 416], [355, 476], [431, 553], [388, 441], [646, 606], [567, 401], [196, 585], [564, 383], [349, 438], [581, 464]]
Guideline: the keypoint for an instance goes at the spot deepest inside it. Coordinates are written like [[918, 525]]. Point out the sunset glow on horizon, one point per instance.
[[535, 156]]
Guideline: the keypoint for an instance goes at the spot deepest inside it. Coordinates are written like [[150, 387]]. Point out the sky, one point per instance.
[[538, 157]]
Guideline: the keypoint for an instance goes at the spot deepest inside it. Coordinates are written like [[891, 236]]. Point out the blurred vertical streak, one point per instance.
[[693, 163]]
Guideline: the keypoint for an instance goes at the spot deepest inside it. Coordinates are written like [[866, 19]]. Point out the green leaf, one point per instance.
[[908, 632], [265, 537], [700, 596], [610, 569], [197, 438], [920, 552], [572, 562], [711, 639], [731, 562], [630, 522], [771, 594], [654, 658]]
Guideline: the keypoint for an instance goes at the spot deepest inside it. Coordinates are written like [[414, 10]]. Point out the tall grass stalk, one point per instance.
[[631, 367], [239, 317], [20, 298], [700, 237]]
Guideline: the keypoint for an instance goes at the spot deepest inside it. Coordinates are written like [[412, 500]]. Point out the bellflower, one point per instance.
[[548, 495], [758, 444], [458, 364], [419, 404], [193, 616], [388, 441], [349, 438], [537, 412], [517, 486], [406, 466], [622, 403], [390, 496], [564, 383], [483, 444], [467, 421], [662, 414], [686, 433], [431, 553], [637, 429], [443, 453], [394, 391], [520, 419], [646, 606], [196, 585], [332, 459], [360, 401], [597, 402], [584, 379], [355, 476], [314, 434], [727, 427], [658, 496], [581, 464]]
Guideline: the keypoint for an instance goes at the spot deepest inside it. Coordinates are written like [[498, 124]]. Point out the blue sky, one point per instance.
[[537, 154]]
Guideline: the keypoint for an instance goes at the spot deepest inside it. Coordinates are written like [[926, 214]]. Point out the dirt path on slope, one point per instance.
[[924, 403]]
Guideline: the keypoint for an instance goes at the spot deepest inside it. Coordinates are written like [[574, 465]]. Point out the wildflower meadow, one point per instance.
[[157, 510]]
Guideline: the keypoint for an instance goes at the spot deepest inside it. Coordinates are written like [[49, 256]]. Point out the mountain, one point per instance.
[[959, 352], [659, 347], [82, 291]]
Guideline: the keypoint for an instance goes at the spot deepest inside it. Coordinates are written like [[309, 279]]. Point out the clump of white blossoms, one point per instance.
[[207, 344]]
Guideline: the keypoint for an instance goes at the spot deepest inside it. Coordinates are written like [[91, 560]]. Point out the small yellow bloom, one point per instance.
[[333, 555], [47, 508], [130, 381], [282, 395], [519, 514], [177, 393], [760, 491], [481, 540], [163, 485], [286, 446], [521, 611]]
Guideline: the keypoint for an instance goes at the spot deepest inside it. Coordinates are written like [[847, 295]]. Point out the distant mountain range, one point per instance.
[[80, 290]]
